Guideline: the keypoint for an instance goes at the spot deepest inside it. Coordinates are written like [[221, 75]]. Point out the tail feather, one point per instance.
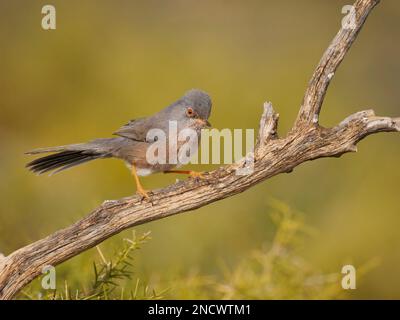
[[65, 157], [49, 166], [73, 164], [61, 161], [72, 147], [53, 158]]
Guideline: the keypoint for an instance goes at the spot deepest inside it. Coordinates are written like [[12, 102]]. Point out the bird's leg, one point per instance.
[[193, 174], [139, 186]]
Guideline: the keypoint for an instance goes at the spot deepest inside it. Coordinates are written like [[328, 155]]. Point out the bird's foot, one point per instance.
[[193, 174], [143, 193], [196, 175]]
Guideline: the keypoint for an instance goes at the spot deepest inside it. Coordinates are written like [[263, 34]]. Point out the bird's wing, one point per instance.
[[135, 129]]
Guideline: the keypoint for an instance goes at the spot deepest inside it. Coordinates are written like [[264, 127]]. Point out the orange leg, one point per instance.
[[140, 190], [193, 174]]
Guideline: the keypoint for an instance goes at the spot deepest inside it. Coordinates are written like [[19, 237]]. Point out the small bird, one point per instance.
[[191, 111]]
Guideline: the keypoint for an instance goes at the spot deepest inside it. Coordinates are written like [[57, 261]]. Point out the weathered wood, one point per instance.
[[306, 141], [330, 61]]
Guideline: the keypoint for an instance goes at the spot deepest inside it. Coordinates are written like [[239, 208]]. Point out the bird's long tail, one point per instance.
[[65, 157]]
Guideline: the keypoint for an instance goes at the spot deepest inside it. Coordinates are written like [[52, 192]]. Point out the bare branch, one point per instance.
[[330, 61], [361, 124], [268, 125], [274, 155]]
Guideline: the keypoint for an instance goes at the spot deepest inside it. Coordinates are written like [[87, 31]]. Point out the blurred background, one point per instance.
[[111, 61]]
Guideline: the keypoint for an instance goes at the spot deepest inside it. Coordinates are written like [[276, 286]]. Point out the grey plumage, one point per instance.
[[65, 157], [137, 129], [131, 145]]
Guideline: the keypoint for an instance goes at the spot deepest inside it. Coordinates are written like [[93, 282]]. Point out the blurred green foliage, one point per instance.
[[277, 271], [111, 61], [108, 275]]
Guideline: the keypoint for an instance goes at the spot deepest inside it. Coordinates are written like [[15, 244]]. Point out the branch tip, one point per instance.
[[330, 61], [268, 124], [352, 148], [365, 114]]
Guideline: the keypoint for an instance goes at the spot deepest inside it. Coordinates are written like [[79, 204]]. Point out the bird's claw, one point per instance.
[[197, 175], [143, 193]]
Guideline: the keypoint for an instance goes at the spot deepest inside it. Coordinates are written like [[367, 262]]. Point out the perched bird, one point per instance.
[[189, 112]]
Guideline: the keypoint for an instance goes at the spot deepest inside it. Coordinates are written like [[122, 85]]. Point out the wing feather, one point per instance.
[[135, 129]]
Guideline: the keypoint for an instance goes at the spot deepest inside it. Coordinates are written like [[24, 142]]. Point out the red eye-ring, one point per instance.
[[190, 112]]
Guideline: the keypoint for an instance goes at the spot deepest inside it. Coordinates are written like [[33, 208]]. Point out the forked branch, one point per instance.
[[273, 155]]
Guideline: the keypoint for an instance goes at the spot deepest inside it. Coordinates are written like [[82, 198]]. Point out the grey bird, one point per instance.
[[191, 111]]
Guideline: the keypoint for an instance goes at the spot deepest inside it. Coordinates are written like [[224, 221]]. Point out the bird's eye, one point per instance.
[[190, 112]]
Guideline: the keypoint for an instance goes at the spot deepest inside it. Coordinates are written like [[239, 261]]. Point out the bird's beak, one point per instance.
[[204, 123]]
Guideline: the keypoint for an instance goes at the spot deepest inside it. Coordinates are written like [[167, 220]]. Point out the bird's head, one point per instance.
[[194, 109]]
